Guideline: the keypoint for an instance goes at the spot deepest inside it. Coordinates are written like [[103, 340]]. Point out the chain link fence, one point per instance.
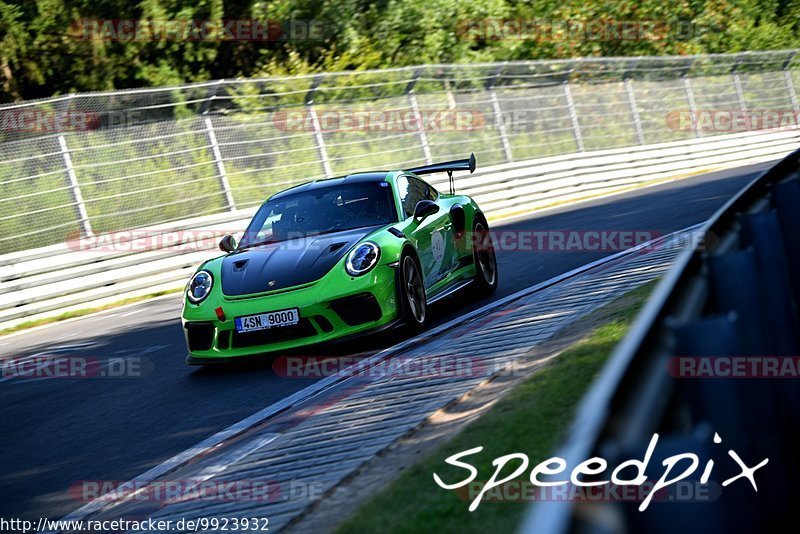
[[90, 163]]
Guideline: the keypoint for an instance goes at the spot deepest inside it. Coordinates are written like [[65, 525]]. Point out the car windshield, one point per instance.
[[321, 211]]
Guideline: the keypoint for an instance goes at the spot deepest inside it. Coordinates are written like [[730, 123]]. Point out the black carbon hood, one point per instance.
[[286, 264]]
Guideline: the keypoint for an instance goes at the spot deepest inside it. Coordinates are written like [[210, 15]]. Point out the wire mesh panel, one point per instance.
[[604, 115], [662, 105], [146, 173], [263, 155], [364, 135], [766, 91], [100, 162], [37, 207], [539, 120]]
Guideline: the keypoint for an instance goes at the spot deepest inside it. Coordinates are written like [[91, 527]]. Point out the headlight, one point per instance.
[[199, 287], [362, 258]]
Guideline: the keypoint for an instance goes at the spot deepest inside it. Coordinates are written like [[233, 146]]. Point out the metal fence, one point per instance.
[[100, 162], [99, 270]]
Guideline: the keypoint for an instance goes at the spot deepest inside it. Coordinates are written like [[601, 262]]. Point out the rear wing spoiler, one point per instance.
[[468, 164]]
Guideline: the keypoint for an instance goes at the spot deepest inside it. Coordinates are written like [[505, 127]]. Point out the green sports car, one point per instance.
[[336, 258]]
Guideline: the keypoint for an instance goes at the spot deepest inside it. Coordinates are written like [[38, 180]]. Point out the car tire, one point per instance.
[[485, 281], [411, 293]]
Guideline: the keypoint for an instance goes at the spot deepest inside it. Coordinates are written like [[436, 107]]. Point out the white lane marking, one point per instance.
[[132, 312], [12, 361], [102, 314], [321, 385], [145, 350], [56, 349]]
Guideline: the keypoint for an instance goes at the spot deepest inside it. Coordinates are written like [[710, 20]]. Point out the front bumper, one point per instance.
[[332, 308]]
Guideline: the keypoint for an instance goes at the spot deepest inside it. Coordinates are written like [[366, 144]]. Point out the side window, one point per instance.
[[430, 192], [411, 190]]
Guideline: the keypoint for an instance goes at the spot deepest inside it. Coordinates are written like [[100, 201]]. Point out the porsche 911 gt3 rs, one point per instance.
[[335, 258]]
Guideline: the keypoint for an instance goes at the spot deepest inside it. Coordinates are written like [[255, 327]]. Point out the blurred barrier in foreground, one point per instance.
[[714, 351], [103, 162], [91, 271]]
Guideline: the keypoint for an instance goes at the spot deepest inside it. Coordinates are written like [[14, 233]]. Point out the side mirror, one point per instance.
[[227, 244], [425, 208]]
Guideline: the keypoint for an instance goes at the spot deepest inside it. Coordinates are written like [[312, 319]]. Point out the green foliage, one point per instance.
[[43, 53]]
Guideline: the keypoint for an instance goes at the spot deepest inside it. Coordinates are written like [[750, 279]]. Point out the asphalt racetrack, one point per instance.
[[58, 432]]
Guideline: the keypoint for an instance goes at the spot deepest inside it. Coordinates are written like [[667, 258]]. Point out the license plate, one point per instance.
[[262, 321]]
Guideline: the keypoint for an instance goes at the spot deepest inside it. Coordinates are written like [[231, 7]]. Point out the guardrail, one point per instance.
[[715, 351], [93, 271]]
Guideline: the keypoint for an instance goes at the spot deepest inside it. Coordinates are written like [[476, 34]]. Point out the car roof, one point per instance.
[[359, 177]]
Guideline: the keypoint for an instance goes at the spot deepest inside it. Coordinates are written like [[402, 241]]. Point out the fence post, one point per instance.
[[423, 135], [498, 116], [687, 86], [72, 177], [320, 141], [790, 86], [737, 84], [215, 150], [75, 188], [790, 83], [637, 120], [573, 116]]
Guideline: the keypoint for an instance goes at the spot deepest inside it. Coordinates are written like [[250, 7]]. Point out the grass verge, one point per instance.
[[85, 311], [532, 418]]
